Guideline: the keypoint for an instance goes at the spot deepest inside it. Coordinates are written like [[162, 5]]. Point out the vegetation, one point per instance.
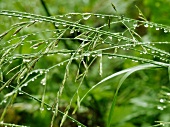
[[99, 68]]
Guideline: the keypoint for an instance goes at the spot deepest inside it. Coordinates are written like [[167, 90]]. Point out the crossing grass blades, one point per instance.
[[32, 38]]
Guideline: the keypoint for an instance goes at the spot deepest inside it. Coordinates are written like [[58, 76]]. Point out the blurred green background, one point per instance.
[[139, 100]]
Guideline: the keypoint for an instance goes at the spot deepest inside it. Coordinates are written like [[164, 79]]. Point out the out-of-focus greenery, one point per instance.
[[142, 98]]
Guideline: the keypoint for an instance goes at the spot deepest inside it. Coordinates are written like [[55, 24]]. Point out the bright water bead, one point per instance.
[[146, 25], [43, 81], [86, 16]]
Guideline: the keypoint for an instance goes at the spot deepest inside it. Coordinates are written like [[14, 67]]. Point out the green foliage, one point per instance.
[[83, 69]]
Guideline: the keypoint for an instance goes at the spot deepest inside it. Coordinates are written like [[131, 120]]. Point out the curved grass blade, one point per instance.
[[129, 72]]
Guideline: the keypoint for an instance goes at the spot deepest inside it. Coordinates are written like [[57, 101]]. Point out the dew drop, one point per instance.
[[110, 37], [20, 17], [5, 101], [48, 108], [42, 109], [159, 107], [86, 16], [110, 57], [135, 24], [43, 81], [93, 55], [20, 93], [61, 16], [26, 60], [56, 24], [157, 28], [102, 17], [41, 72], [35, 47], [146, 25], [161, 100], [72, 31], [69, 17], [98, 16], [87, 54], [26, 84], [36, 71], [9, 16], [14, 57], [165, 30]]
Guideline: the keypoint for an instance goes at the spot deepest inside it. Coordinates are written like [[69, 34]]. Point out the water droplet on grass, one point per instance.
[[110, 57], [119, 39], [35, 47], [56, 24], [20, 93], [69, 17], [43, 81], [41, 72], [87, 54], [86, 16], [157, 28], [161, 100], [93, 55], [135, 24], [41, 109], [146, 25], [20, 17], [110, 37], [48, 108], [5, 101], [26, 84], [26, 60], [165, 30], [159, 107], [72, 31]]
